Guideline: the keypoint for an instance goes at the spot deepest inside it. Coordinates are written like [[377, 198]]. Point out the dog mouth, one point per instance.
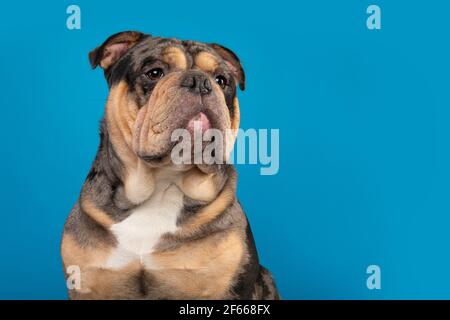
[[195, 126], [199, 123]]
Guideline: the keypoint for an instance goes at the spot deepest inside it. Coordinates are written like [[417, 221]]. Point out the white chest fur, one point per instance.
[[138, 234]]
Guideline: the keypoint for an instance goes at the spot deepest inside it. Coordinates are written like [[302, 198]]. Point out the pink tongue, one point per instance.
[[199, 122]]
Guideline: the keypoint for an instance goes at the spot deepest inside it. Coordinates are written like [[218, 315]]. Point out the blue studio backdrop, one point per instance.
[[364, 136]]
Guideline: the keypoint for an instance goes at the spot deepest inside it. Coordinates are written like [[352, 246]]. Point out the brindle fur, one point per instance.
[[212, 255]]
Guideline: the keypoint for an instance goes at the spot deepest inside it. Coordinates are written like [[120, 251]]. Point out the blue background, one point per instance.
[[364, 128]]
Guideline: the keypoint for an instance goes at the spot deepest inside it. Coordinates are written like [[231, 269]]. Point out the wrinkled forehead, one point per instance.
[[177, 54]]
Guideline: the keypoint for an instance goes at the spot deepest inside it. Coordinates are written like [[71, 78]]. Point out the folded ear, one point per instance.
[[113, 48], [233, 63]]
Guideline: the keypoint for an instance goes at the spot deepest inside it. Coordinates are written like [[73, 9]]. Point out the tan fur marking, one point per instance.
[[211, 211], [87, 259], [95, 213], [237, 114], [206, 61], [201, 269], [120, 116], [139, 183], [175, 56], [73, 254], [199, 186], [231, 135], [98, 282]]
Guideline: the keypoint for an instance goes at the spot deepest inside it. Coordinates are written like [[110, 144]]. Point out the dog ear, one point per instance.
[[113, 48], [232, 60]]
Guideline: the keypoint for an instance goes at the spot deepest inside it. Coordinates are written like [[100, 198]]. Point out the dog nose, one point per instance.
[[197, 82]]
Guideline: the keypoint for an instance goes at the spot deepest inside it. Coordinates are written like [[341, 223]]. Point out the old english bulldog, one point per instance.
[[144, 227]]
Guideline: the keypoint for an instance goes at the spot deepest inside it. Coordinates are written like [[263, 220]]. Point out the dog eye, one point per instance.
[[221, 81], [155, 74]]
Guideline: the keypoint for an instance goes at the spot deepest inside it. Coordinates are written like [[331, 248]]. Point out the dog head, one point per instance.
[[158, 85]]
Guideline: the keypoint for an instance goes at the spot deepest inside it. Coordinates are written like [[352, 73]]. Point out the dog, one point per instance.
[[144, 227]]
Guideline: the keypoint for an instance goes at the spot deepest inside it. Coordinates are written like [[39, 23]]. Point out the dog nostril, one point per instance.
[[207, 86], [189, 82]]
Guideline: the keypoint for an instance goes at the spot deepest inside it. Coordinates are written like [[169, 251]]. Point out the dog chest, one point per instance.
[[138, 234]]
